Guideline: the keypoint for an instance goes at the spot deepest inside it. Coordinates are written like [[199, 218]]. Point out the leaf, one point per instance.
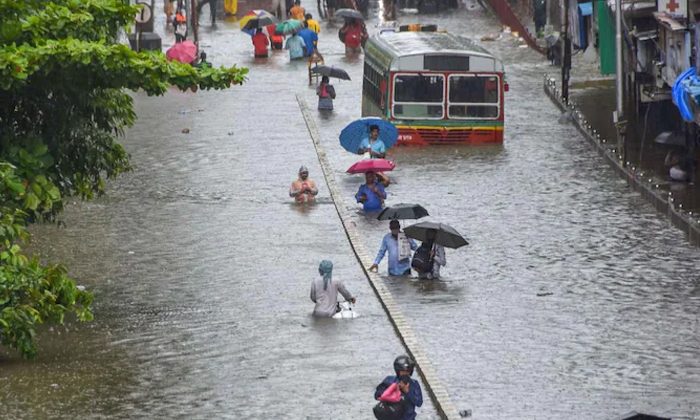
[[31, 201]]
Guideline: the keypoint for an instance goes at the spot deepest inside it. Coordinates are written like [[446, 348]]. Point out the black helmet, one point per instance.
[[404, 363]]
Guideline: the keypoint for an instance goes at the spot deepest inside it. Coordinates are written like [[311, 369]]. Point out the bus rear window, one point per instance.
[[418, 88], [473, 97], [474, 89], [419, 96]]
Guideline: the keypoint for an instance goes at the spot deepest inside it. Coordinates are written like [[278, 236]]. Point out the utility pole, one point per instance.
[[619, 116], [195, 22], [566, 61]]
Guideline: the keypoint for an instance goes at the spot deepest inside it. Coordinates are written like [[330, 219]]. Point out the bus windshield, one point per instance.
[[419, 96], [473, 96]]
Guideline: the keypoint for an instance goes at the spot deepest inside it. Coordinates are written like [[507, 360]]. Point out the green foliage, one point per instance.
[[63, 104]]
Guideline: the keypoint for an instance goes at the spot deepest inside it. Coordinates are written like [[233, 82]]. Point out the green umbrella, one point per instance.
[[289, 27]]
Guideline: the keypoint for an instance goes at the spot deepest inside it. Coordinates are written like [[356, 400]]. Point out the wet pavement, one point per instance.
[[201, 266]]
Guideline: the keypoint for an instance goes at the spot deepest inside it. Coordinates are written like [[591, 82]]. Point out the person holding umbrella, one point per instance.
[[326, 94], [372, 144], [353, 33], [429, 257], [399, 248], [260, 43], [371, 194]]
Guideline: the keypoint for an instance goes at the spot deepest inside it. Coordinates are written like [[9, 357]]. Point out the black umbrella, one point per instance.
[[261, 22], [671, 138], [331, 72], [445, 235], [402, 212], [348, 14]]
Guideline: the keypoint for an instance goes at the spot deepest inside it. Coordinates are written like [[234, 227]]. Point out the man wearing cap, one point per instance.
[[399, 265], [303, 189]]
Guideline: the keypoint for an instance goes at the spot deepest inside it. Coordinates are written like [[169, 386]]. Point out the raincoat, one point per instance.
[[324, 292], [299, 185], [412, 399]]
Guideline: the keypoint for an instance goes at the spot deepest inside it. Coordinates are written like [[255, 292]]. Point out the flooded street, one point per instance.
[[201, 265]]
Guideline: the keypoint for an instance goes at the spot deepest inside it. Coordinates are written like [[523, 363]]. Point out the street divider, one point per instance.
[[434, 387]]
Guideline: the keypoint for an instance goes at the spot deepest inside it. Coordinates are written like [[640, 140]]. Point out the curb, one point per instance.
[[434, 387], [662, 202]]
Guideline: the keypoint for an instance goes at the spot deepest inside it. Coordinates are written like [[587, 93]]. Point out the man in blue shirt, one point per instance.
[[411, 393], [372, 144], [391, 243], [371, 194], [310, 38]]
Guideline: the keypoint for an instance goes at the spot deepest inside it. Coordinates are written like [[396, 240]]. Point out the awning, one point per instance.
[[670, 23]]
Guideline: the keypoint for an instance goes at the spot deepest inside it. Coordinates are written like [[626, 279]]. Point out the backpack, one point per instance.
[[389, 411], [422, 262]]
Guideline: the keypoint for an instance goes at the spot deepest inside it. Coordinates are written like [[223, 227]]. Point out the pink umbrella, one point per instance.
[[184, 52], [371, 165]]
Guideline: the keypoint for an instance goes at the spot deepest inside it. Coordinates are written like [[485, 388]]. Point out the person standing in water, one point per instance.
[[399, 248], [325, 93], [371, 194], [324, 292], [260, 43], [435, 254], [296, 46], [303, 189]]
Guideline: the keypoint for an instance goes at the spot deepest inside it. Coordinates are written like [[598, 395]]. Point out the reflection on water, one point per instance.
[[202, 267]]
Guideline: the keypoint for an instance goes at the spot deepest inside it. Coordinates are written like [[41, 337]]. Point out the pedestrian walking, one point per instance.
[[276, 41], [353, 34], [180, 22], [411, 393], [324, 292], [260, 43], [371, 194], [295, 45], [312, 24], [326, 93], [310, 39], [399, 248], [429, 257], [212, 9], [297, 12]]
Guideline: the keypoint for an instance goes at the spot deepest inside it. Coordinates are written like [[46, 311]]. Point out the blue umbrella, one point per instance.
[[358, 130]]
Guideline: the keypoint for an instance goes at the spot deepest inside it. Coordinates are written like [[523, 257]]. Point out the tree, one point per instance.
[[63, 105]]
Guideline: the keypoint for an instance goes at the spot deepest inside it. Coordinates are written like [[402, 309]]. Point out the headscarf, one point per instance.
[[303, 169], [326, 270]]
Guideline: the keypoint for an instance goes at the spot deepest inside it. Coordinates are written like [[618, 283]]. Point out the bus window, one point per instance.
[[418, 96], [473, 97]]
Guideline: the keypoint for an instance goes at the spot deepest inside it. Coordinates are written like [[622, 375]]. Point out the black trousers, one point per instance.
[[212, 8]]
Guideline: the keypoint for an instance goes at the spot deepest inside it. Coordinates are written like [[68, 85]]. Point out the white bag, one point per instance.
[[404, 247]]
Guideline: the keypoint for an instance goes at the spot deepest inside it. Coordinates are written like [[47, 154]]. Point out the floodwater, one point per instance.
[[574, 298]]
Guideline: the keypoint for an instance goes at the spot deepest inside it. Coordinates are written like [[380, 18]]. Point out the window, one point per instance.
[[473, 96], [418, 96], [371, 84]]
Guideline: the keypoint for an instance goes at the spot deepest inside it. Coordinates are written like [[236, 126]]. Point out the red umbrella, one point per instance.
[[184, 52], [371, 165]]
